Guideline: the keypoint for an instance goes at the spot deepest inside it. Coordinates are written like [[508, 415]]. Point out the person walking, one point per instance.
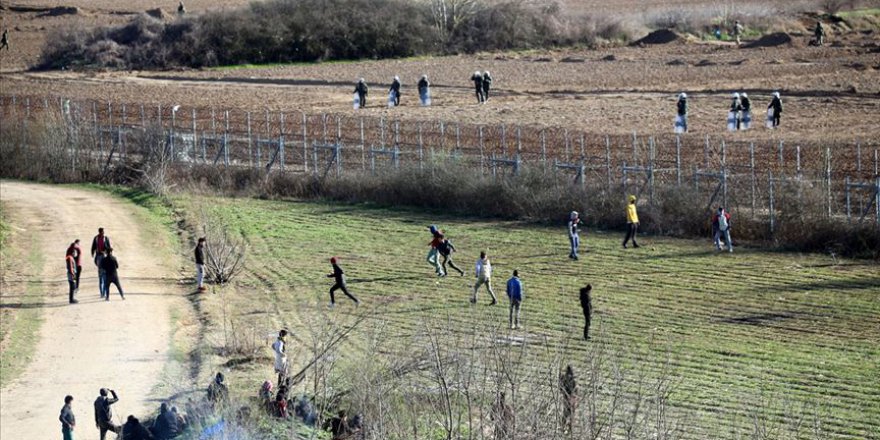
[[200, 264], [100, 244], [134, 430], [477, 78], [746, 105], [434, 252], [573, 238], [721, 227], [737, 32], [362, 90], [487, 83], [104, 413], [395, 91], [111, 274], [484, 276], [568, 389], [819, 34], [76, 251], [733, 119], [70, 264], [632, 222], [516, 295], [4, 40], [587, 308], [424, 91], [339, 276], [67, 419], [280, 349], [446, 248], [776, 106], [682, 112]]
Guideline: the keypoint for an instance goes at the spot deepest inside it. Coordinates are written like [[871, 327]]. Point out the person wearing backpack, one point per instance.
[[721, 227], [445, 248]]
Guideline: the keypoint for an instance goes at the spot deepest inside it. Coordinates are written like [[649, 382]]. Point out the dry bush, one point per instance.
[[224, 253]]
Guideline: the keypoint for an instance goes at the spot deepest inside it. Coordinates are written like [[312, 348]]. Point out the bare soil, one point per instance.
[[123, 345]]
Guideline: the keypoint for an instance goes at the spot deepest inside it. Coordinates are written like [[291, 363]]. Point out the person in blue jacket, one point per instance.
[[515, 294]]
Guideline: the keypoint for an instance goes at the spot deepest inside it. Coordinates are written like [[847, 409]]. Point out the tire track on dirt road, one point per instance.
[[123, 345]]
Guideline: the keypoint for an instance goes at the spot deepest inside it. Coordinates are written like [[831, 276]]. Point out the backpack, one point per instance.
[[722, 222]]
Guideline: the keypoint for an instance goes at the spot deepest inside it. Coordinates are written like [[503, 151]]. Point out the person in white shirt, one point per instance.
[[484, 276], [279, 347]]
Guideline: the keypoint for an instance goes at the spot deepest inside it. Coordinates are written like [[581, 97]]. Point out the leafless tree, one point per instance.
[[224, 252]]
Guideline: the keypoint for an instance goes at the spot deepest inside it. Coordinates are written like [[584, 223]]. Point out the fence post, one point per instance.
[[877, 200], [281, 141], [422, 148], [324, 127], [875, 162], [457, 137], [306, 144], [608, 159], [363, 147], [678, 160], [518, 141], [543, 151], [798, 163], [396, 133], [781, 157], [382, 131], [338, 130], [173, 126], [214, 131], [442, 138], [859, 157], [754, 178], [143, 118], [503, 140], [482, 154], [565, 141], [706, 153], [828, 178], [195, 136], [250, 140], [226, 138], [772, 224], [848, 212]]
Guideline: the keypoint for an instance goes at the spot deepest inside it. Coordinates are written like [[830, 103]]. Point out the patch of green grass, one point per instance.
[[859, 13], [742, 324], [20, 314]]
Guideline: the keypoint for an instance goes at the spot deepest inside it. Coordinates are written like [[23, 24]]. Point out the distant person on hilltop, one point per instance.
[[395, 91], [362, 90], [477, 78], [339, 276], [682, 112], [819, 34], [487, 83], [4, 40], [776, 106], [632, 222]]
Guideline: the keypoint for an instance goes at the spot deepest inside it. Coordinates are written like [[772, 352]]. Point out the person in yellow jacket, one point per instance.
[[632, 222]]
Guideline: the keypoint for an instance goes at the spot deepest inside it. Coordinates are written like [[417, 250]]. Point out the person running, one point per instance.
[[587, 308], [477, 78], [737, 32], [104, 413], [111, 274], [819, 34], [67, 419], [424, 90], [76, 251], [100, 244], [395, 91], [200, 264], [434, 252], [445, 248], [134, 430], [4, 40], [70, 264], [721, 228], [776, 105], [484, 276], [487, 83], [280, 349], [516, 295], [339, 276], [632, 222], [682, 111], [573, 237], [735, 109], [568, 389], [362, 90]]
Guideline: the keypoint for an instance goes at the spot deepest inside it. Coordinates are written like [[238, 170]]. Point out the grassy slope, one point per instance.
[[751, 323]]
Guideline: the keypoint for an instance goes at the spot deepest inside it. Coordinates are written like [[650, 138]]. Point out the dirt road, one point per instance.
[[118, 344]]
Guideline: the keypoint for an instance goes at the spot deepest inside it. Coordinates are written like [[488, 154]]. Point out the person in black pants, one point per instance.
[[71, 276], [395, 88], [446, 249], [110, 266], [776, 105], [587, 308], [339, 276], [477, 78], [104, 414]]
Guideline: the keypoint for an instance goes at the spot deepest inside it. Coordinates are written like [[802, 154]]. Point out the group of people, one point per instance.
[[361, 90], [739, 117], [105, 261], [168, 424]]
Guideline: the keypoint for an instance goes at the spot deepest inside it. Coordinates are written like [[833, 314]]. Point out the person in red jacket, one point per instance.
[[721, 228]]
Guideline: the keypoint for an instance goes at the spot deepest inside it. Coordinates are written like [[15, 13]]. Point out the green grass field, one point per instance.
[[738, 329]]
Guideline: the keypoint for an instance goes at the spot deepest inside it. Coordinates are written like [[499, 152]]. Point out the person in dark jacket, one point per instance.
[[70, 265], [218, 392], [104, 414], [395, 90], [339, 276], [67, 419], [682, 110], [746, 105], [100, 244], [424, 92], [487, 83], [76, 251], [736, 109], [181, 9], [362, 90], [568, 389], [134, 430], [445, 248], [111, 266], [587, 308], [165, 427], [776, 105], [4, 40], [477, 78], [200, 263], [819, 33]]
